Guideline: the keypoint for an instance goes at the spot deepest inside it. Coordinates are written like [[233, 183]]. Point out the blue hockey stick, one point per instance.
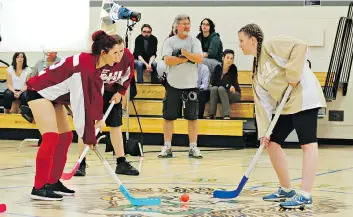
[[235, 193], [134, 201]]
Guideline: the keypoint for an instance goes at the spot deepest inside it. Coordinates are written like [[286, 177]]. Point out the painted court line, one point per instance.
[[165, 175], [139, 179], [14, 214], [319, 174], [185, 165]]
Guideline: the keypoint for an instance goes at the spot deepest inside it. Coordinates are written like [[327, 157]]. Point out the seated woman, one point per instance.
[[224, 86], [17, 75]]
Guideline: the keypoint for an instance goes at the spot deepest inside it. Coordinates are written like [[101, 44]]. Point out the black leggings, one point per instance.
[[9, 97]]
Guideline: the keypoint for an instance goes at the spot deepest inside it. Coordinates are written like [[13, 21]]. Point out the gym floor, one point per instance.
[[97, 195]]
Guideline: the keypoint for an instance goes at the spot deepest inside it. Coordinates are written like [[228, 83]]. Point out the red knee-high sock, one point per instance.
[[44, 160], [60, 157]]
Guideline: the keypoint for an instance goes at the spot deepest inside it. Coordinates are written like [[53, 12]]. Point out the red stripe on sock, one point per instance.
[[60, 157], [44, 160]]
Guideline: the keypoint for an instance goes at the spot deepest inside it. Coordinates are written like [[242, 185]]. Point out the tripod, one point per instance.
[[130, 143]]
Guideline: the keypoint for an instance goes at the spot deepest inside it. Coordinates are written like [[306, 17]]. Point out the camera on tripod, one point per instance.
[[119, 12]]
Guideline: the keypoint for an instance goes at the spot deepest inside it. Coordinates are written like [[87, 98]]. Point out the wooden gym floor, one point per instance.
[[97, 195]]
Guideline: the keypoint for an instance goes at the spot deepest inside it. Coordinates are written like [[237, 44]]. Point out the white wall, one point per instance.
[[317, 25], [314, 24]]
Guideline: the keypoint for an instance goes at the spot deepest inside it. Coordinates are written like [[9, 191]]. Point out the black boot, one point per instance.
[[125, 168], [82, 169]]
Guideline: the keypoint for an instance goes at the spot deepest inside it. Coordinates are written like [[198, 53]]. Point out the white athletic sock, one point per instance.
[[304, 193], [193, 145], [286, 189], [168, 144]]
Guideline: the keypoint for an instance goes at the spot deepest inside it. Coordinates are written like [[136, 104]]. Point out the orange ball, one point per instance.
[[184, 197]]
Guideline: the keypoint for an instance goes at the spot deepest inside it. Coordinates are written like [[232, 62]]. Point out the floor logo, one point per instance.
[[201, 203]]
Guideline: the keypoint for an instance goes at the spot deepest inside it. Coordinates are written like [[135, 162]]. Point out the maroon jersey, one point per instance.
[[117, 78], [76, 81]]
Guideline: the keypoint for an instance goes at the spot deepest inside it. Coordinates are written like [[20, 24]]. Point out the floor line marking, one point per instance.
[[319, 174]]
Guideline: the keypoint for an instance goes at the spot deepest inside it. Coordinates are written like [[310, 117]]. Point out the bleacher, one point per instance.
[[3, 86], [148, 102]]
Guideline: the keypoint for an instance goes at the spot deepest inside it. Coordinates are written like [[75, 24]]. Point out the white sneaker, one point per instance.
[[166, 152], [195, 152]]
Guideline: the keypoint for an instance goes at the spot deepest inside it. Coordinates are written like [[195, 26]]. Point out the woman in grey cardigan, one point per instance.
[[225, 87]]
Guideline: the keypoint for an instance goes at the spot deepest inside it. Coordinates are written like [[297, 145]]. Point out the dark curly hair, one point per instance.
[[212, 25]]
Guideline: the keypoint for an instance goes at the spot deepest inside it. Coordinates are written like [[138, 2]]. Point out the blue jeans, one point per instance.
[[139, 66]]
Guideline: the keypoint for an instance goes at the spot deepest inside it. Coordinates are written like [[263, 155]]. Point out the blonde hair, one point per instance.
[[177, 19]]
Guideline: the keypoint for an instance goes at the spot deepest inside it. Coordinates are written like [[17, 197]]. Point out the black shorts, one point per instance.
[[173, 101], [115, 117], [304, 123], [33, 95]]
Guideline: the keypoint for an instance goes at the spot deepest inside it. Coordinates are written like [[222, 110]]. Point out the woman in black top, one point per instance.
[[224, 86]]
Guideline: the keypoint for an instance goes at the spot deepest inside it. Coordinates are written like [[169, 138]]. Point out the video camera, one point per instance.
[[119, 12]]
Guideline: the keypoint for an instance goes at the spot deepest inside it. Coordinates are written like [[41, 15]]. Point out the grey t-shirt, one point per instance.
[[42, 64], [184, 75]]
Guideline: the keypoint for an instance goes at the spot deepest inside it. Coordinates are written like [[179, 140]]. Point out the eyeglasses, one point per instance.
[[147, 32]]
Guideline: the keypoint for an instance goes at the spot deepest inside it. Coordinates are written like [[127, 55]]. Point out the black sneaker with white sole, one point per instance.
[[125, 168], [82, 169], [59, 188], [45, 193]]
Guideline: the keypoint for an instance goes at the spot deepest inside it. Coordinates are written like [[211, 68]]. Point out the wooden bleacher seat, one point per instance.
[[157, 91], [149, 105], [155, 107], [148, 124], [244, 77], [3, 72]]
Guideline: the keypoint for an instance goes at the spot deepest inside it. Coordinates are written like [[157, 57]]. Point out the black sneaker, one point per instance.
[[26, 113], [81, 170], [59, 188], [126, 168], [45, 194]]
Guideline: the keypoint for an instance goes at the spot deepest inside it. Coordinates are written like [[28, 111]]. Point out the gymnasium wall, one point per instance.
[[316, 25]]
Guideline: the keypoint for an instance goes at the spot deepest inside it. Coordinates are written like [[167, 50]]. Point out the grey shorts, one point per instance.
[[173, 102]]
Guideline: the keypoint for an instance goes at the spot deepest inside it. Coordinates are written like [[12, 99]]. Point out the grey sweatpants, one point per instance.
[[220, 94]]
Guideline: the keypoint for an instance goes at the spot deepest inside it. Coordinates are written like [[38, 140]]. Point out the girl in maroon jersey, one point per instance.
[[117, 79], [75, 80]]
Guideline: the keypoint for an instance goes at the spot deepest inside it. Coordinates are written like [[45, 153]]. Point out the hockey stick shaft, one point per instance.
[[269, 129], [67, 176], [97, 129], [107, 166], [235, 193], [134, 201]]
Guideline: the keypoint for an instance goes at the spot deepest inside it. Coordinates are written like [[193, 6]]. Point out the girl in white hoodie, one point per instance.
[[279, 62]]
